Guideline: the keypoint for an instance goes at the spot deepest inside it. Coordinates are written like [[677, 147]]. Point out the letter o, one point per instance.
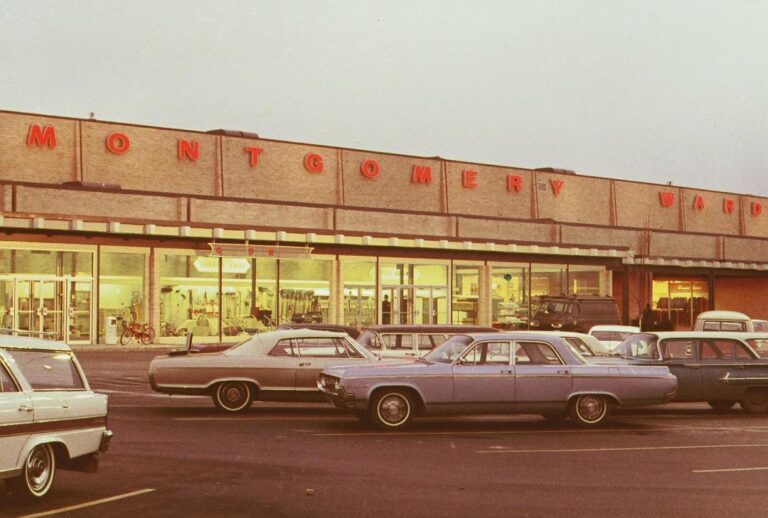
[[118, 143], [313, 163], [370, 168]]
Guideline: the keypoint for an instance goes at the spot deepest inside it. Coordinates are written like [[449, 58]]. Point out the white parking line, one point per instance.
[[89, 504], [730, 470], [631, 448]]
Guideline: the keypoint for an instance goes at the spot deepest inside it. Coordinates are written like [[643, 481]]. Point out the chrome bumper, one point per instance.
[[106, 438]]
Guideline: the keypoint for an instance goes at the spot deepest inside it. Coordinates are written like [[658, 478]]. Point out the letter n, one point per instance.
[[666, 198], [41, 136], [421, 174], [729, 205], [189, 150]]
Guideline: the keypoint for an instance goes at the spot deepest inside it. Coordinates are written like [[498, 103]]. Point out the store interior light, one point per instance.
[[205, 264]]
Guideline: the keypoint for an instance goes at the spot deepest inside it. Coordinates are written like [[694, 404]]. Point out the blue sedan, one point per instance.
[[503, 373]]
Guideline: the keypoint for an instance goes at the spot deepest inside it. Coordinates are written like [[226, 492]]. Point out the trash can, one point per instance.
[[110, 330]]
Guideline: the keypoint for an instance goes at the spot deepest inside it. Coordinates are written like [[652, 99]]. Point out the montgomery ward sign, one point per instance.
[[269, 251]]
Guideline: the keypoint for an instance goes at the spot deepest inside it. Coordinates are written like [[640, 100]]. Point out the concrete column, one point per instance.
[[484, 296], [152, 289]]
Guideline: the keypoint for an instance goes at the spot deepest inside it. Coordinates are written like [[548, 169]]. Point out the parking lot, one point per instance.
[[177, 456]]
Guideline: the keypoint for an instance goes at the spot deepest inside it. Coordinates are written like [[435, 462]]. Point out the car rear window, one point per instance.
[[760, 346], [715, 325], [6, 382], [48, 370]]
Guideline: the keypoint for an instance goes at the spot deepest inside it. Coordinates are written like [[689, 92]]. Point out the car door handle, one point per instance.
[[507, 372], [563, 371], [302, 364], [26, 408], [65, 406]]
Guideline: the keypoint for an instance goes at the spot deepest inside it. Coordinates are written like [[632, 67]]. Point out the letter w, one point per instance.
[[666, 198]]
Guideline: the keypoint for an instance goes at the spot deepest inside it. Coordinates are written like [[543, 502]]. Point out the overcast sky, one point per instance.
[[656, 91]]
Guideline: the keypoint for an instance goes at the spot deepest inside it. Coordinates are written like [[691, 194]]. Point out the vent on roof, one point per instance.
[[554, 170], [233, 133]]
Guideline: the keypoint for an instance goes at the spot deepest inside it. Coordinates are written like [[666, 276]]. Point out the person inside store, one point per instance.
[[647, 319], [386, 310]]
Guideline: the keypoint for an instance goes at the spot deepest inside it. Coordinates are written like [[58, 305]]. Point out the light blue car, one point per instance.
[[503, 373]]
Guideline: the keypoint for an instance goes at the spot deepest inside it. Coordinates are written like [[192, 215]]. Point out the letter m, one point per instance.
[[421, 174], [41, 136], [666, 198]]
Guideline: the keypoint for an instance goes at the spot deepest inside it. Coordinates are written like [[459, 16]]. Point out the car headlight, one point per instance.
[[557, 325]]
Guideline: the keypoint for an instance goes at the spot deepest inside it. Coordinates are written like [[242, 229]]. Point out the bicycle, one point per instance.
[[141, 332]]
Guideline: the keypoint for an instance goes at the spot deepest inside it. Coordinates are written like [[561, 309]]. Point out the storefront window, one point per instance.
[[414, 293], [677, 302], [237, 299], [305, 290], [121, 289], [510, 296], [549, 279], [189, 295], [589, 280], [359, 293], [464, 306], [46, 262]]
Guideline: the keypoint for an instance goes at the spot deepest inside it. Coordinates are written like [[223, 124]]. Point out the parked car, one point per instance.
[[723, 321], [515, 372], [412, 341], [611, 336], [575, 313], [720, 368], [273, 366], [323, 326], [592, 349], [49, 417]]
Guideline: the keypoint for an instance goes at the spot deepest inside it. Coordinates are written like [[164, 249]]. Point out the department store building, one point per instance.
[[224, 233]]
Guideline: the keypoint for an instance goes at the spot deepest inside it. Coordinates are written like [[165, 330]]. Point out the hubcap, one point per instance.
[[591, 408], [393, 409], [38, 470]]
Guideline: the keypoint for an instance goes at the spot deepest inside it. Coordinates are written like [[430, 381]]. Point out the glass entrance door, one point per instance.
[[41, 308], [79, 310], [406, 304]]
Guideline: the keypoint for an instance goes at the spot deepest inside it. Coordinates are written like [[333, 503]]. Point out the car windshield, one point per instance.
[[450, 349], [642, 346], [611, 336], [552, 307]]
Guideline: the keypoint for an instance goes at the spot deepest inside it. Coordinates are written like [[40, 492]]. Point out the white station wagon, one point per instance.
[[49, 417]]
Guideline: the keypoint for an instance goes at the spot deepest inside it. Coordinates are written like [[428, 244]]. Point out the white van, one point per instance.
[[723, 321]]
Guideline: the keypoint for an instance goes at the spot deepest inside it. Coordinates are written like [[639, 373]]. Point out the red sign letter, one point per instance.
[[190, 150], [757, 208], [666, 198], [469, 179], [556, 186], [313, 163], [421, 174], [254, 152], [729, 205], [118, 143], [370, 168], [41, 137], [514, 183], [698, 202]]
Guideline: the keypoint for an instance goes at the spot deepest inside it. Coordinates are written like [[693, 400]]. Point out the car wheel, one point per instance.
[[755, 401], [233, 396], [37, 474], [721, 406], [589, 409], [391, 410]]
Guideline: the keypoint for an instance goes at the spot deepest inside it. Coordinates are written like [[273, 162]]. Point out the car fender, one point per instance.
[[216, 381], [605, 393], [390, 384], [59, 444]]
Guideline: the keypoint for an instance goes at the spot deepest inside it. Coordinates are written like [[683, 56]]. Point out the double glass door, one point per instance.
[[407, 304], [55, 308]]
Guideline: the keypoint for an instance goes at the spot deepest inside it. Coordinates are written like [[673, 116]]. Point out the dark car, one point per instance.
[[218, 347], [575, 313], [412, 341], [721, 368]]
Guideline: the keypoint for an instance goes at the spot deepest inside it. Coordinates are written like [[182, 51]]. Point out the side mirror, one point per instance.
[[188, 341]]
